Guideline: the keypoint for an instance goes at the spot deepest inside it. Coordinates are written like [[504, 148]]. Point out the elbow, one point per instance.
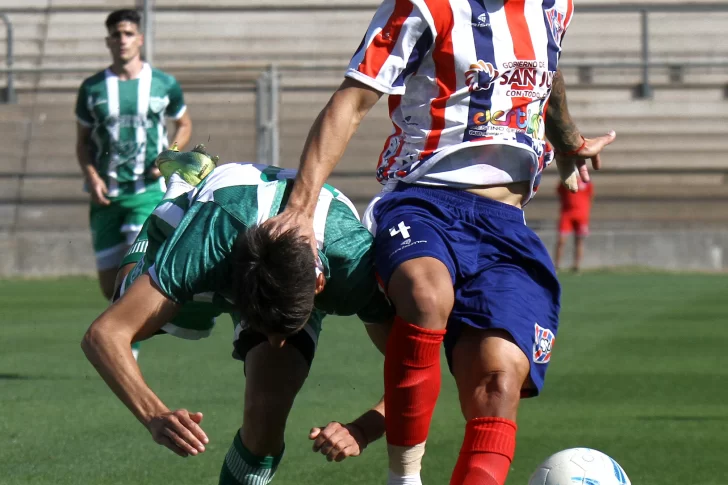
[[91, 341]]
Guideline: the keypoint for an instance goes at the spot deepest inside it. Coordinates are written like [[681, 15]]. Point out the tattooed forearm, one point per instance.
[[561, 130]]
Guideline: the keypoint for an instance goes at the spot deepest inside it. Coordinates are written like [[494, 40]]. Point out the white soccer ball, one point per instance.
[[579, 466]]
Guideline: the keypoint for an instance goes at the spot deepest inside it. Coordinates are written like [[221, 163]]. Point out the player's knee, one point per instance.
[[490, 370], [264, 424], [422, 293], [497, 393]]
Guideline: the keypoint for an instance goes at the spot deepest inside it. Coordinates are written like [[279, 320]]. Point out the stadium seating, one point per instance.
[[668, 166]]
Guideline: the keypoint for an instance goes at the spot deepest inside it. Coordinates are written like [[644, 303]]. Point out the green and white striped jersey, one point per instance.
[[128, 124], [189, 237]]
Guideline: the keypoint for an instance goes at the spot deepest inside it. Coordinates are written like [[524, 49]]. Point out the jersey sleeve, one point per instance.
[[351, 286], [397, 40], [83, 114], [176, 107], [195, 258]]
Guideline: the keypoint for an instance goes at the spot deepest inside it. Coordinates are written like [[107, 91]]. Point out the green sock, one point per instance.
[[135, 349], [241, 467]]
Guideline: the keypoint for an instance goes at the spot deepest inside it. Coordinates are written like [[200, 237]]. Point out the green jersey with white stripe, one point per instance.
[[190, 235], [128, 125]]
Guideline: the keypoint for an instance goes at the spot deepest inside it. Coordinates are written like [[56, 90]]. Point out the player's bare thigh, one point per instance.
[[490, 371], [422, 292], [273, 377]]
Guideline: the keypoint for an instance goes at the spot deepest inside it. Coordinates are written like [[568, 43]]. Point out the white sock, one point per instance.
[[394, 479]]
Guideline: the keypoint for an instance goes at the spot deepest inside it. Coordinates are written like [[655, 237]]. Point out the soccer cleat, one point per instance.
[[192, 166]]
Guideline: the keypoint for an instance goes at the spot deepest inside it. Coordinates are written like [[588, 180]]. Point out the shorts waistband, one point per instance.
[[462, 199]]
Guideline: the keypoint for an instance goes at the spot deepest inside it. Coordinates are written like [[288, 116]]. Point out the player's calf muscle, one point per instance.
[[490, 370]]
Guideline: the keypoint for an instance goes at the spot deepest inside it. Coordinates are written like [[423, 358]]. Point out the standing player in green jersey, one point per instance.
[[207, 250], [121, 113]]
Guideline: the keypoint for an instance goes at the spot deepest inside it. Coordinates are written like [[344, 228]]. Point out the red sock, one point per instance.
[[487, 452], [411, 382]]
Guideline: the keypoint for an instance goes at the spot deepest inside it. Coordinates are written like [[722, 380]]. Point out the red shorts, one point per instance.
[[574, 222]]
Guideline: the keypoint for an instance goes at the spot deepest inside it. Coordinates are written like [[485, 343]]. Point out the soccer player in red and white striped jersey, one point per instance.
[[469, 84]]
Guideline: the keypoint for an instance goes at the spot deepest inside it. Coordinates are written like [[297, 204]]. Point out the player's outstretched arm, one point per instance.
[[324, 147], [339, 441], [137, 315], [572, 149]]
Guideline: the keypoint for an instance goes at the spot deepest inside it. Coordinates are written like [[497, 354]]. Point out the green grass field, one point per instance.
[[639, 371]]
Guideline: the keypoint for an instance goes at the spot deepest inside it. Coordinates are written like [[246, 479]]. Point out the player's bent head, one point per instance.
[[274, 280], [123, 15]]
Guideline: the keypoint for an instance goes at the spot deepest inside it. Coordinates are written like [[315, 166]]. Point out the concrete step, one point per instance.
[[50, 216]]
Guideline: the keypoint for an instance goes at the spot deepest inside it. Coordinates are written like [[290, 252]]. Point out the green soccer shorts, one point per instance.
[[114, 227]]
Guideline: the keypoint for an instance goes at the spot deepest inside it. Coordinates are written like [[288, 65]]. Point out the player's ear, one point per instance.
[[320, 283]]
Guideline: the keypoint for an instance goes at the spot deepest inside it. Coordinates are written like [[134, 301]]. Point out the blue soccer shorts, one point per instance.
[[501, 272]]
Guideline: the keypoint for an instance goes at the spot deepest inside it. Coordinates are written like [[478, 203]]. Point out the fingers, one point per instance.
[[583, 171], [351, 450], [188, 430], [596, 162], [179, 432], [179, 443], [594, 146], [167, 442], [335, 442], [193, 430], [100, 196]]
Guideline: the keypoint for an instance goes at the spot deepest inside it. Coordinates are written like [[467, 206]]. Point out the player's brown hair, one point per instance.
[[123, 15], [274, 280]]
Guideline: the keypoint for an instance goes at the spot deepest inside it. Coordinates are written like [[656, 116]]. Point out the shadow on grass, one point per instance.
[[25, 377], [15, 377]]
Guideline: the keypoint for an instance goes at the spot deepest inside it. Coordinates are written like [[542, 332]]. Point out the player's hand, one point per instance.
[[292, 219], [573, 166], [179, 431], [337, 441], [98, 190]]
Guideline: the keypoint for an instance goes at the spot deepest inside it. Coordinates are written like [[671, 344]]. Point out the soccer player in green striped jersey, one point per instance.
[[122, 113], [207, 250]]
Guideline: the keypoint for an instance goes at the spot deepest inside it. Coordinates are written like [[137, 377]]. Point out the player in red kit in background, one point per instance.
[[575, 211]]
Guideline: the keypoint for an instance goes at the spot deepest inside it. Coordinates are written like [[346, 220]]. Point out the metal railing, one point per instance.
[[266, 116], [7, 94]]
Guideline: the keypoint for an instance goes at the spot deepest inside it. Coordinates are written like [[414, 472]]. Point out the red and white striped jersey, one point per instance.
[[461, 73]]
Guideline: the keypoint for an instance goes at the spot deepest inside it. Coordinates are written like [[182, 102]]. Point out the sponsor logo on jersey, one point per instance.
[[556, 22], [482, 21], [157, 104], [527, 119], [542, 344], [481, 76], [127, 151]]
